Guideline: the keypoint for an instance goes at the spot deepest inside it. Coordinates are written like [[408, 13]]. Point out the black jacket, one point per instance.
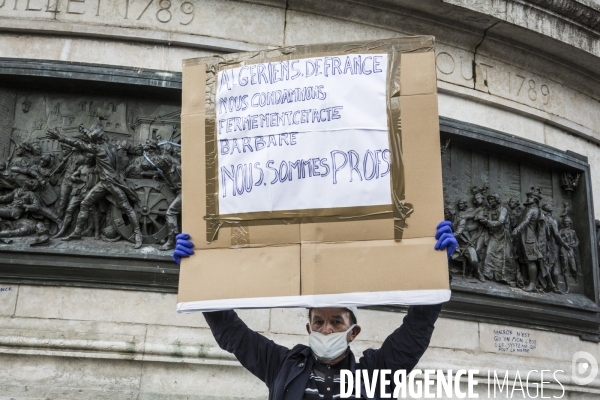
[[286, 371]]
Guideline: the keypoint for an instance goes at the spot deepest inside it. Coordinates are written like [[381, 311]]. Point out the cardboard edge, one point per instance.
[[356, 299]]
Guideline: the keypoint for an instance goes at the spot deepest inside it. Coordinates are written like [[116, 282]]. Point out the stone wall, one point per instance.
[[511, 66], [74, 343]]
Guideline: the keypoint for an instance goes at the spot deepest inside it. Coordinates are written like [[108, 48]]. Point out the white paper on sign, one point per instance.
[[303, 134]]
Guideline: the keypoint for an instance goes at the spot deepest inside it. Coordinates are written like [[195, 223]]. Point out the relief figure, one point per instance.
[[110, 182], [171, 174], [528, 232], [82, 180], [499, 263], [466, 252], [554, 241], [567, 252]]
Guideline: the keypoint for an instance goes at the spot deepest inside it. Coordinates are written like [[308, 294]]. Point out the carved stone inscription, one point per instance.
[[75, 166], [261, 23], [181, 12], [539, 90], [513, 222]]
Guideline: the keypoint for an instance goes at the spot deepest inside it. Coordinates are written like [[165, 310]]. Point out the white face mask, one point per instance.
[[328, 347]]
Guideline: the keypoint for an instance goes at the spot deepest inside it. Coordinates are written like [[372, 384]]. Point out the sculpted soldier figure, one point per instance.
[[21, 200], [567, 253], [529, 232], [72, 159], [499, 263], [25, 200], [476, 224], [40, 171], [553, 240], [168, 150], [449, 212], [466, 251], [83, 179], [7, 178], [18, 228], [22, 156], [516, 215], [139, 167], [171, 173], [151, 148], [122, 156], [36, 151], [109, 180]]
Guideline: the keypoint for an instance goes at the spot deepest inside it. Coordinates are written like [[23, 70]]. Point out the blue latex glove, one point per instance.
[[183, 247], [445, 238]]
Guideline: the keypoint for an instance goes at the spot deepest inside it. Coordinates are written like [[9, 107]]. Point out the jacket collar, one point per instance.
[[304, 361]]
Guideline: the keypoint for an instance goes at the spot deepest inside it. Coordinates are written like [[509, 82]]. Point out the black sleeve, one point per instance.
[[405, 346], [256, 353]]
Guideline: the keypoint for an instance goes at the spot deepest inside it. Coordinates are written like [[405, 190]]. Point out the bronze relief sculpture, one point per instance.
[[87, 169], [520, 247]]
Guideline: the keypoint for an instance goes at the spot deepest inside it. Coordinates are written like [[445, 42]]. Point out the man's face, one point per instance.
[[512, 203], [462, 205], [492, 201], [331, 320]]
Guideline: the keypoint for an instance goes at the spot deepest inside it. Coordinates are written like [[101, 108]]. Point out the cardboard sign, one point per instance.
[[312, 177], [303, 134]]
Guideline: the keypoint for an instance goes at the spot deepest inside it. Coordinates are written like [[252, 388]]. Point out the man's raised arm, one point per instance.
[[405, 346], [256, 353]]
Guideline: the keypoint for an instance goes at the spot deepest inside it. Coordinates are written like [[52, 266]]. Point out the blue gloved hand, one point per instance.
[[445, 238], [183, 247]]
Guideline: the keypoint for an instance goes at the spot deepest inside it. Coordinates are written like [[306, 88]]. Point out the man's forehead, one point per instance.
[[329, 312]]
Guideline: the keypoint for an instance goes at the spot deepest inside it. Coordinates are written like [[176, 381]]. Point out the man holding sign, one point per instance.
[[313, 372], [315, 156]]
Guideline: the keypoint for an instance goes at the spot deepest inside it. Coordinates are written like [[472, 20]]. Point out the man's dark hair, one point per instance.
[[352, 316]]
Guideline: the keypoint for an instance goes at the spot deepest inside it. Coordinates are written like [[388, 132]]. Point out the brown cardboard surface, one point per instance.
[[240, 273], [193, 93], [417, 74], [422, 163], [331, 255], [347, 230], [373, 266]]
